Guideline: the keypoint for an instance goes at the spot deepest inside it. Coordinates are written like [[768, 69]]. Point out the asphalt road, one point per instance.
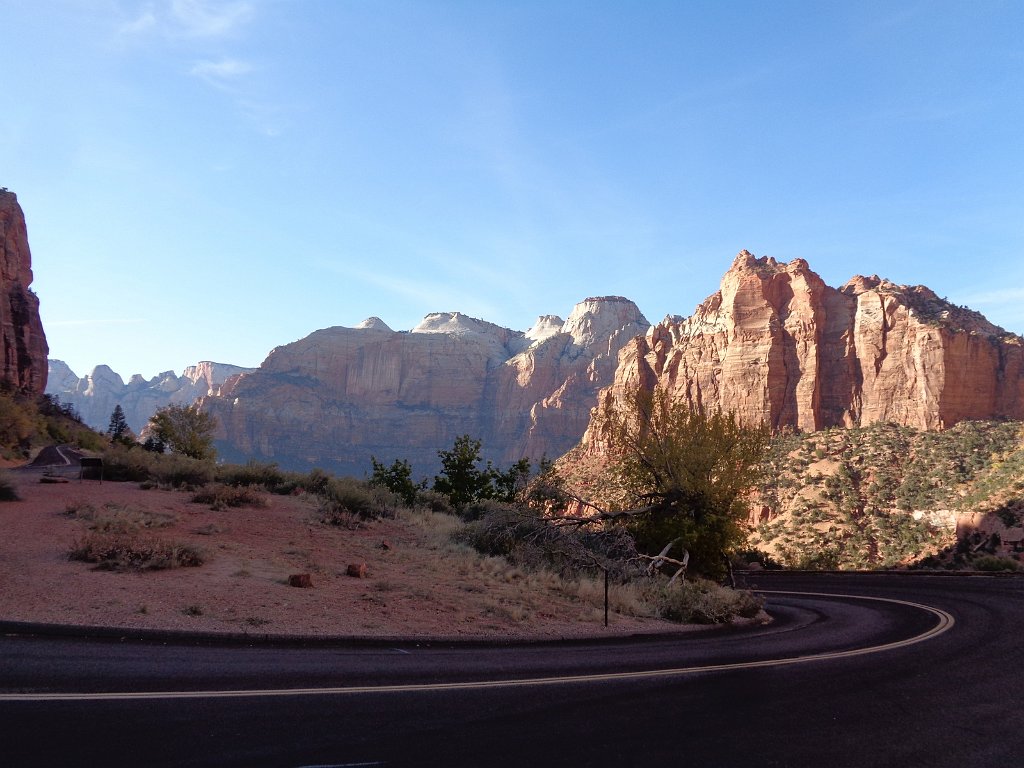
[[944, 688]]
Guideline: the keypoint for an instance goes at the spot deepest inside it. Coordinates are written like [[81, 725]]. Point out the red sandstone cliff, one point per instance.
[[22, 342], [777, 345], [340, 395]]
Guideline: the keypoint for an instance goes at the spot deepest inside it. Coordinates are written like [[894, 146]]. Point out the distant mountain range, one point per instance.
[[774, 343], [342, 395], [96, 394]]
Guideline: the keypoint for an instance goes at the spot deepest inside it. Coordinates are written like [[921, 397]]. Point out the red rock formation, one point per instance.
[[776, 344], [340, 395], [22, 341]]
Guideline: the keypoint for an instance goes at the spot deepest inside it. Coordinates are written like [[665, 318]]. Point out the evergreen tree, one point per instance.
[[461, 480], [118, 429]]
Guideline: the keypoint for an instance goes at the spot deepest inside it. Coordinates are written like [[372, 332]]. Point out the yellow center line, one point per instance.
[[944, 623]]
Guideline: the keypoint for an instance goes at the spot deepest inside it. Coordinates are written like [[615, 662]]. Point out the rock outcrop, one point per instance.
[[775, 344], [22, 341], [340, 395], [95, 394]]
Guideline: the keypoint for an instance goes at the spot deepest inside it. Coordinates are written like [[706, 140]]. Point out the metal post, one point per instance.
[[606, 597]]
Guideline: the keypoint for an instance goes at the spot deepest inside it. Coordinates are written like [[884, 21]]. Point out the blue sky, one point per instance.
[[208, 180]]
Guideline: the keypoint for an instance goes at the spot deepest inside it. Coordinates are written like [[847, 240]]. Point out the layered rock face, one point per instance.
[[95, 394], [340, 395], [22, 341], [777, 345]]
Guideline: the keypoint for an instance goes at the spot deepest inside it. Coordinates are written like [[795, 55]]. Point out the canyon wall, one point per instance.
[[777, 345], [22, 341], [342, 395]]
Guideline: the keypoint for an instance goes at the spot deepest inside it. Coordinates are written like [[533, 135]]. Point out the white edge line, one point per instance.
[[944, 624]]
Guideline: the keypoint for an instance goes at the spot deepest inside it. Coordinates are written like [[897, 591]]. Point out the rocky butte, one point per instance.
[[776, 344], [23, 366], [340, 395], [96, 394]]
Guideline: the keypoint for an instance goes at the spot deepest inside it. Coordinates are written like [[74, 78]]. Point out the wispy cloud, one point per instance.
[[201, 18], [144, 22], [189, 19], [222, 73], [420, 296]]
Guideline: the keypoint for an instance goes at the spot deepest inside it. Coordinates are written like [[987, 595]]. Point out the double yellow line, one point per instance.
[[944, 623]]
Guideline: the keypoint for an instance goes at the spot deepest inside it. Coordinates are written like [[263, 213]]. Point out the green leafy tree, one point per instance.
[[684, 473], [462, 480], [183, 429], [397, 478], [118, 429], [509, 485]]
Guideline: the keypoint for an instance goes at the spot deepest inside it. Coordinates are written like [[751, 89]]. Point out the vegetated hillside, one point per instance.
[[887, 495], [28, 423]]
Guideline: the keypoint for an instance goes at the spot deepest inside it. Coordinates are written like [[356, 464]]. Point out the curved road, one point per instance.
[[943, 687]]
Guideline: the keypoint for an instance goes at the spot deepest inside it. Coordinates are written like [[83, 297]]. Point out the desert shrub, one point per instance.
[[703, 602], [116, 518], [820, 558], [345, 497], [525, 538], [434, 501], [178, 471], [994, 563], [125, 552], [501, 530], [8, 491], [745, 557], [268, 476], [220, 496], [124, 464]]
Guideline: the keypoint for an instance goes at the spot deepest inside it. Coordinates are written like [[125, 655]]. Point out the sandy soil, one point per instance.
[[418, 584]]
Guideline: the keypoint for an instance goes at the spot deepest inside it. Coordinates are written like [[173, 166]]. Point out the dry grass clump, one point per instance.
[[125, 552], [696, 601], [117, 518], [504, 548], [220, 496]]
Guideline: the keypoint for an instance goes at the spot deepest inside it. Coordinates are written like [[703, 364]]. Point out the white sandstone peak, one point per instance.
[[545, 327], [375, 324], [597, 318]]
